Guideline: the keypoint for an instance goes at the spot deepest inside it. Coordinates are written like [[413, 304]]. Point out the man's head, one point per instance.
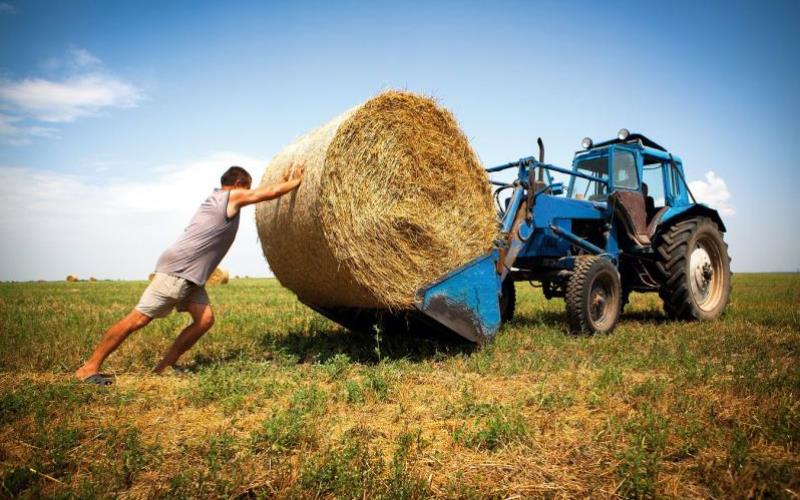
[[236, 177]]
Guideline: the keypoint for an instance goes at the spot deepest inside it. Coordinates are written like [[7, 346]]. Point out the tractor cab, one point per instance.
[[636, 177]]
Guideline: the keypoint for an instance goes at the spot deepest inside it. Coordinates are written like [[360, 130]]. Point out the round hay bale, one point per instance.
[[151, 276], [218, 277], [393, 197], [72, 278]]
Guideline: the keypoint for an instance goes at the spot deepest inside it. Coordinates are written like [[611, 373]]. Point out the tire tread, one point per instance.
[[673, 249], [574, 296]]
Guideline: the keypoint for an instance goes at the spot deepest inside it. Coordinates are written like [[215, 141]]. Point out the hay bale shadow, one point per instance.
[[319, 346]]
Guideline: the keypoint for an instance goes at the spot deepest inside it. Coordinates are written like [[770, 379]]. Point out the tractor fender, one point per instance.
[[677, 214]]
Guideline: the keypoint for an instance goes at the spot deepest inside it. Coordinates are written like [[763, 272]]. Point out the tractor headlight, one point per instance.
[[623, 134], [586, 143]]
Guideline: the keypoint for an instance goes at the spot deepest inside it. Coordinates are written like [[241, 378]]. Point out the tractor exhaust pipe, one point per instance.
[[534, 186], [540, 143]]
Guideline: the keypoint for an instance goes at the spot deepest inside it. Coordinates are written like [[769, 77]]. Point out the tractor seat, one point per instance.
[[629, 207], [649, 202], [652, 225], [649, 206]]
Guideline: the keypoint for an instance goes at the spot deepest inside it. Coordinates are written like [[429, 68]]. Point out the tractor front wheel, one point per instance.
[[594, 295], [695, 270]]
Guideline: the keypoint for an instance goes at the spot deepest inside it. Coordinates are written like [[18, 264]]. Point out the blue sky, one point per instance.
[[117, 118]]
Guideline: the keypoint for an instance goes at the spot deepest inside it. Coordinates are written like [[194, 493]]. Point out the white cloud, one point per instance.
[[76, 60], [7, 8], [86, 90], [82, 57], [713, 192], [38, 131], [17, 134], [56, 224], [19, 141], [7, 124], [67, 100]]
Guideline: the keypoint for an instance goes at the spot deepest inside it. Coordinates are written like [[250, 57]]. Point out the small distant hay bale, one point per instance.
[[72, 278], [218, 277], [92, 279], [392, 198]]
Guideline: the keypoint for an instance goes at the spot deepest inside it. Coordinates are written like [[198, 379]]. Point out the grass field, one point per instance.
[[281, 402]]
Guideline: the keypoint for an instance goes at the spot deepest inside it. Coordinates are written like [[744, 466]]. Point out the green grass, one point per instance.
[[281, 402]]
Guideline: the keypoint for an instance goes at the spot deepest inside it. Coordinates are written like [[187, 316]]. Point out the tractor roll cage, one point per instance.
[[534, 163], [526, 182]]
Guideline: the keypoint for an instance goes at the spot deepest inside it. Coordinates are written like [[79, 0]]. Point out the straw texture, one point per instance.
[[393, 197]]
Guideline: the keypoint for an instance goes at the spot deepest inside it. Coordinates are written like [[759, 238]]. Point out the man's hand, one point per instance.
[[292, 172], [292, 177], [298, 172]]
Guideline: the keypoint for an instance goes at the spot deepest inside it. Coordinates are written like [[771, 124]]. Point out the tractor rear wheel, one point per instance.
[[508, 300], [594, 295], [695, 270]]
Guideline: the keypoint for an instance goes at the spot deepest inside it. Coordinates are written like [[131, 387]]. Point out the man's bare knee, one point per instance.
[[206, 321], [137, 320], [202, 315]]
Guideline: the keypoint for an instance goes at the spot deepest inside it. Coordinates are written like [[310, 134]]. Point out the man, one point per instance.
[[182, 270]]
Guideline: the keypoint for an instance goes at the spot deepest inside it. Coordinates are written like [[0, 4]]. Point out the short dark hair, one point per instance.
[[235, 175]]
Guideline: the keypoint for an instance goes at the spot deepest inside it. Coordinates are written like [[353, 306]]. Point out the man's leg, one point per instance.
[[203, 320], [110, 341]]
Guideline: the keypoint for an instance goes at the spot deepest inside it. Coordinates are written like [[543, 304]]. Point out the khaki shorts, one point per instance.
[[166, 292]]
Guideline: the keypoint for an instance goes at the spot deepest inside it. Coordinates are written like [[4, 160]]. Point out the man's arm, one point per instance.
[[242, 197]]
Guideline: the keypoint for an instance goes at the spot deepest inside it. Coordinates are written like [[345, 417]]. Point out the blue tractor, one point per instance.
[[623, 220]]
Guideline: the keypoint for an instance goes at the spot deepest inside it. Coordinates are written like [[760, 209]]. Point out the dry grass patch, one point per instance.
[[279, 402]]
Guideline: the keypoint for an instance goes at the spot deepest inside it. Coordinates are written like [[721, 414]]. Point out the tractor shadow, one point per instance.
[[544, 319], [320, 345], [655, 316], [558, 319]]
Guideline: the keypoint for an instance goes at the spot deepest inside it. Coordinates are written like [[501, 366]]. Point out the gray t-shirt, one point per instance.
[[204, 242]]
